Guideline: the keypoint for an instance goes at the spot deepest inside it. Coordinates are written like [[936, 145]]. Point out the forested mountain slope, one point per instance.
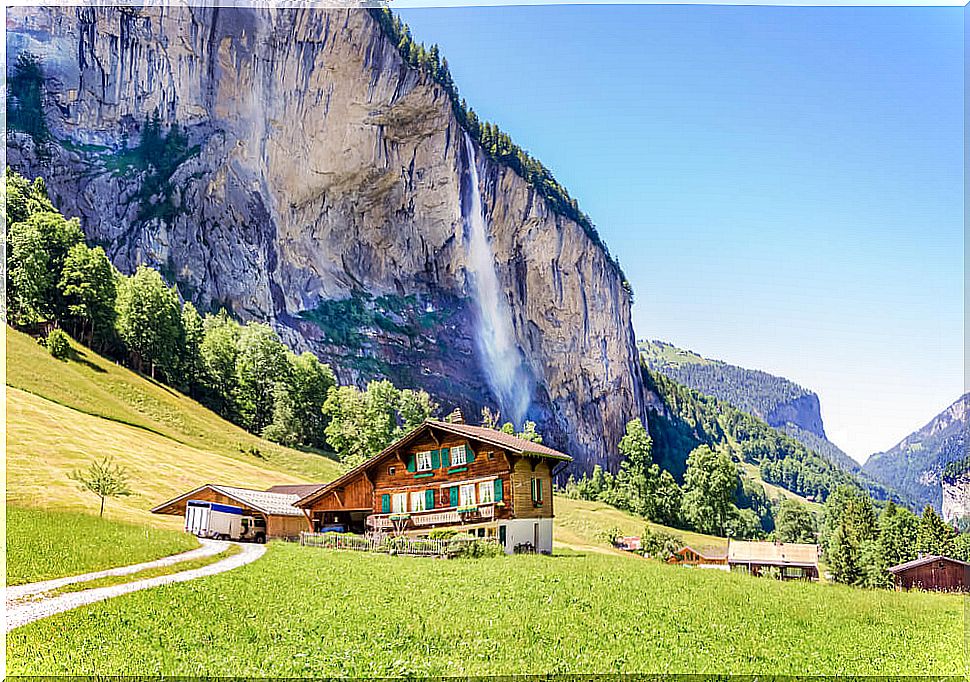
[[915, 465], [775, 400]]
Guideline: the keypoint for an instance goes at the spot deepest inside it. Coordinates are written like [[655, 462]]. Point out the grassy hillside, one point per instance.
[[96, 386], [51, 544], [63, 415], [309, 612]]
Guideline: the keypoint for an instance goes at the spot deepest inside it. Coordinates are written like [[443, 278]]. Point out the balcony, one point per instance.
[[433, 517]]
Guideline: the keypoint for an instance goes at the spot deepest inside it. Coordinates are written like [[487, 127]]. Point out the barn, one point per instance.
[[932, 572], [792, 560], [274, 505]]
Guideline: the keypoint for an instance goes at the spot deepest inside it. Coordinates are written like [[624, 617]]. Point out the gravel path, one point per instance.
[[17, 592], [22, 613]]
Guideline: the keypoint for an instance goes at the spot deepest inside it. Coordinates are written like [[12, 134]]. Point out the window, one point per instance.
[[537, 492], [424, 461], [486, 492], [418, 501], [466, 495], [391, 471], [399, 503], [458, 455]]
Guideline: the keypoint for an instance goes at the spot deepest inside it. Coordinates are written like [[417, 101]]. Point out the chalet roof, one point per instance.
[[703, 555], [301, 489], [490, 436], [266, 502], [772, 553], [922, 561]]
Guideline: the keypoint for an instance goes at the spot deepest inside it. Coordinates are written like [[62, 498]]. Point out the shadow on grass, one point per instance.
[[80, 357]]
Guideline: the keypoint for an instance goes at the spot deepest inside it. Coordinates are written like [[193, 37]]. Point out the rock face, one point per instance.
[[320, 189], [915, 465], [956, 497]]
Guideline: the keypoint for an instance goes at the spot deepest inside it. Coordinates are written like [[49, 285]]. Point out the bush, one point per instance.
[[476, 549], [442, 533], [658, 544], [58, 344]]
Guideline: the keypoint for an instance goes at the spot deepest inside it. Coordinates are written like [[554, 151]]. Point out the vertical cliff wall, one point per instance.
[[320, 189]]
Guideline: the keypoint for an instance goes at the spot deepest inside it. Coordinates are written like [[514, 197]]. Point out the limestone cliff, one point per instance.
[[321, 189], [956, 496]]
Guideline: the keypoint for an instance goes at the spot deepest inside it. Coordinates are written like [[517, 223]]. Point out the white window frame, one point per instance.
[[423, 461], [418, 500], [399, 503], [459, 455], [466, 495], [486, 492]]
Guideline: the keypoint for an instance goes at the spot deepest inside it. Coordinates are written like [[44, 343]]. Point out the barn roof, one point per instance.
[[922, 561], [514, 444], [301, 489], [703, 555], [264, 501], [772, 553]]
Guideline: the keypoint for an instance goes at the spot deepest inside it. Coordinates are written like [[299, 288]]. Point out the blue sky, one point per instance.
[[783, 185]]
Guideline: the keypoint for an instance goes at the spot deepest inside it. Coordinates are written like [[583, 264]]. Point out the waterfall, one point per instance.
[[501, 357]]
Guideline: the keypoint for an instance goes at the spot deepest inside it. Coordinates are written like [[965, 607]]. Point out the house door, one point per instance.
[[535, 537]]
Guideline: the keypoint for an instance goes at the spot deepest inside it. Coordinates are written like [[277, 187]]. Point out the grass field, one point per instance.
[[98, 387], [61, 416], [309, 612], [51, 544]]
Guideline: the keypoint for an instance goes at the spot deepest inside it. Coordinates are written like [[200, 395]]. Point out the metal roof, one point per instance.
[[773, 553], [266, 502], [928, 559]]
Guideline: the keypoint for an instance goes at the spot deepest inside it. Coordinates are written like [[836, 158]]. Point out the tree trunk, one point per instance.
[[101, 515]]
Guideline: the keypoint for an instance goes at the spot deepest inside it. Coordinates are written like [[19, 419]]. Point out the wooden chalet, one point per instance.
[[795, 561], [274, 505], [932, 572], [446, 475], [688, 556]]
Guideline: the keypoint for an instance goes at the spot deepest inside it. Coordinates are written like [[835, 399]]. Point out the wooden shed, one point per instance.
[[932, 572], [275, 505]]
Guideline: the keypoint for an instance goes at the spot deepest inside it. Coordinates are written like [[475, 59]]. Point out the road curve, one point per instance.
[[27, 612]]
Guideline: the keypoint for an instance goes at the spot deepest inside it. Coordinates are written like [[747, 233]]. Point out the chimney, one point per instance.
[[455, 417]]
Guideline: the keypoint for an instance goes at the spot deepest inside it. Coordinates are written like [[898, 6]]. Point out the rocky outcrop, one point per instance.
[[956, 497], [320, 189], [803, 411]]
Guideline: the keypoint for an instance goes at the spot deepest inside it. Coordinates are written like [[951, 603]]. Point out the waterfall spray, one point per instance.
[[501, 357]]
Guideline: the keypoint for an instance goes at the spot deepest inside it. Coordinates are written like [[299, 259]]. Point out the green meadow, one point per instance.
[[311, 612]]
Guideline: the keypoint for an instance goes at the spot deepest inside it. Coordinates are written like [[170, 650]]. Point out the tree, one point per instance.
[[28, 275], [219, 350], [897, 535], [529, 433], [298, 409], [191, 365], [709, 484], [794, 522], [933, 535], [105, 479], [414, 407], [150, 320], [25, 198], [849, 535], [87, 285], [58, 344], [260, 364]]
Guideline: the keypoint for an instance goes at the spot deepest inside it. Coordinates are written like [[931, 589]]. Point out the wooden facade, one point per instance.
[[688, 556], [938, 573], [445, 475]]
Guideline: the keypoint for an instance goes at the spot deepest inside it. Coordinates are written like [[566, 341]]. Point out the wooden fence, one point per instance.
[[442, 547]]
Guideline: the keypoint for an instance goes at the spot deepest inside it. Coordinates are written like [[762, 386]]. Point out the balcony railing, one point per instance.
[[433, 517]]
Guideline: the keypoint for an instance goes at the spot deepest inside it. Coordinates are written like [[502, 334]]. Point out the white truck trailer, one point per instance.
[[223, 522]]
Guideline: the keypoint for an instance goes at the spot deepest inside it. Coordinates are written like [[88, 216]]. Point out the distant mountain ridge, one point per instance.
[[915, 466], [781, 403]]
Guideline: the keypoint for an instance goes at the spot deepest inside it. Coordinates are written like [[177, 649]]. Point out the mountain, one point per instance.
[[311, 169], [915, 465], [956, 490], [682, 418], [777, 401]]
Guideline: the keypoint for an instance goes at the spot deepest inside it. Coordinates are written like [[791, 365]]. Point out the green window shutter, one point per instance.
[[498, 489], [385, 504], [446, 457], [539, 490], [411, 465], [453, 495], [429, 499], [435, 459], [469, 455]]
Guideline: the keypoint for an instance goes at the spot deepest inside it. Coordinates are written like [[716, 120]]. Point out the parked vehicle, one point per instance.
[[223, 522]]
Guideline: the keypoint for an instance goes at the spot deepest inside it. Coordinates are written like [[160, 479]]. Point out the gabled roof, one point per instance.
[[688, 548], [774, 553], [928, 559], [514, 444], [266, 502], [301, 489]]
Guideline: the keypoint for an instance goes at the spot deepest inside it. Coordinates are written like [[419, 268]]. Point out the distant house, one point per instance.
[[446, 475], [933, 572], [688, 556], [628, 544], [795, 561], [274, 506]]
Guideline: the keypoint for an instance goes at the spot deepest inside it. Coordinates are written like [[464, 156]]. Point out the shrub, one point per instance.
[[58, 344], [442, 533], [658, 544], [476, 549]]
